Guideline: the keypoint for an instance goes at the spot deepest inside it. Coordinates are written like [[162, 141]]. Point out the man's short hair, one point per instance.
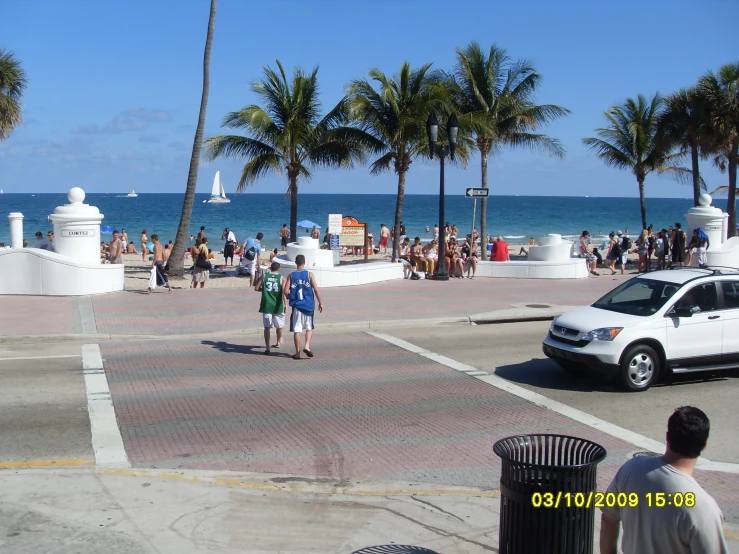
[[687, 431], [202, 228], [114, 232], [275, 266], [260, 236], [154, 237], [39, 234], [299, 259]]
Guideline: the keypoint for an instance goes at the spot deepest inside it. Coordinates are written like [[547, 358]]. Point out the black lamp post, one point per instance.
[[432, 130]]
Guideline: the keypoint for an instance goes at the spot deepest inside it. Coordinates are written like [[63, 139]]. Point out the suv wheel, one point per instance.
[[639, 368]]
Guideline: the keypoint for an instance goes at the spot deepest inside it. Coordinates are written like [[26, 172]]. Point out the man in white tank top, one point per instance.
[[661, 507]]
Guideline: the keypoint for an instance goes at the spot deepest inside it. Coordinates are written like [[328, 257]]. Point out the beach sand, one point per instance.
[[137, 272]]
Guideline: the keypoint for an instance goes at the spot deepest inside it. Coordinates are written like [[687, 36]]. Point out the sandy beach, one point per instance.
[[137, 272]]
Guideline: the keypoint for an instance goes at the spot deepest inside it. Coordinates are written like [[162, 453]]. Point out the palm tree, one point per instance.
[[12, 84], [684, 124], [178, 251], [288, 133], [500, 94], [395, 115], [721, 91], [630, 141]]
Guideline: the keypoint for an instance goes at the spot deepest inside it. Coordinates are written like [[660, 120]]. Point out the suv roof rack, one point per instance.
[[713, 269]]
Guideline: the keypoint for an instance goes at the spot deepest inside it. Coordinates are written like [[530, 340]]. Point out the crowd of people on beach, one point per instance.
[[669, 247]]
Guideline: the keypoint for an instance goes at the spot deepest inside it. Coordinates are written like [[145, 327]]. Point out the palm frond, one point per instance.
[[682, 175], [235, 146], [257, 167], [382, 164]]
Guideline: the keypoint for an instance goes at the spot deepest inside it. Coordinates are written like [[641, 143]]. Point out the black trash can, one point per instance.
[[545, 485]]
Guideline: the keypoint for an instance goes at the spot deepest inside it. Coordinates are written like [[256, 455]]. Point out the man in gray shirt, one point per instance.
[[673, 514]]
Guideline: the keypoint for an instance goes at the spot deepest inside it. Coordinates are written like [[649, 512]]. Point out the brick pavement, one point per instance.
[[38, 315], [362, 409], [187, 311]]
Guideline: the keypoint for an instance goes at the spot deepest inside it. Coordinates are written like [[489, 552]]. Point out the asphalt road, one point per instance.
[[43, 405], [513, 352]]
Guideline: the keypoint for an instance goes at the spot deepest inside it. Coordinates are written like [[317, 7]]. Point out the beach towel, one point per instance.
[[153, 278]]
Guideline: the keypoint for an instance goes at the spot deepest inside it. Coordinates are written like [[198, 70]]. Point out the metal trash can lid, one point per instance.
[[547, 450], [395, 549]]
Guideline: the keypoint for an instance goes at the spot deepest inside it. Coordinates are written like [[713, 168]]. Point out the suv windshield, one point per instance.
[[638, 296]]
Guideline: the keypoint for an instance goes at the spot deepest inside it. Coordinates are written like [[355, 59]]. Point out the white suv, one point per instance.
[[659, 323]]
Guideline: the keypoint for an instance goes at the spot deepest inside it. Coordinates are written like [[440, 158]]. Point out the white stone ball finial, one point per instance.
[[705, 199], [76, 195]]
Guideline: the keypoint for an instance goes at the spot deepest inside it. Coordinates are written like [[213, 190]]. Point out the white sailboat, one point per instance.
[[132, 194], [217, 194]]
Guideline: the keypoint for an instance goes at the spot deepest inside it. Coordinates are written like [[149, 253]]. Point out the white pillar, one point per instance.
[[77, 228], [711, 219], [15, 220]]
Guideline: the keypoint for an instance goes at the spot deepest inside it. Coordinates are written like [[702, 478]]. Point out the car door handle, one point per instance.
[[714, 316]]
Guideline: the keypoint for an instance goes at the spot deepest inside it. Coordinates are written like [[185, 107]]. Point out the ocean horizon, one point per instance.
[[513, 217]]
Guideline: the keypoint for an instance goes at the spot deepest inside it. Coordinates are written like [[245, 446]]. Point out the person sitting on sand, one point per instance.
[[273, 255], [524, 251]]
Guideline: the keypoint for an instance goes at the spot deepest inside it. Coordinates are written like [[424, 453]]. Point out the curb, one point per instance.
[[482, 319]]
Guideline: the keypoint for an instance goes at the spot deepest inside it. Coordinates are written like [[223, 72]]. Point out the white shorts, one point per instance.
[[276, 321], [300, 322]]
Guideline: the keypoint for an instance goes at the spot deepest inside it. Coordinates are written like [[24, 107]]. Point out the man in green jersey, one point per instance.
[[272, 306]]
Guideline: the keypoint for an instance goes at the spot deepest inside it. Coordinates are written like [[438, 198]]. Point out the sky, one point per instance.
[[114, 86]]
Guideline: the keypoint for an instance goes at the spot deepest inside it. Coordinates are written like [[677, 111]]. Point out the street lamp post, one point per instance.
[[432, 130]]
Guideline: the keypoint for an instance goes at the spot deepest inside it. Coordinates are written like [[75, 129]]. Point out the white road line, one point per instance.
[[40, 357], [106, 437], [596, 423]]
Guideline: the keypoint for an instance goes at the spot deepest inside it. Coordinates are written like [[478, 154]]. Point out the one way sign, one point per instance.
[[476, 192]]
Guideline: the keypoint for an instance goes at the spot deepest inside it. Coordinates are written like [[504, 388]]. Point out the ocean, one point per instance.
[[514, 217]]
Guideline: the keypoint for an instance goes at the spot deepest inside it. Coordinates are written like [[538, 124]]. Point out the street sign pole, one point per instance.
[[472, 231]]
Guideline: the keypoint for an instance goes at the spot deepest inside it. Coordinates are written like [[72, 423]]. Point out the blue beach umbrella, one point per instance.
[[305, 224], [106, 230]]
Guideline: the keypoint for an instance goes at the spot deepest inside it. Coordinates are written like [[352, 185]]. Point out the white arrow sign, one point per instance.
[[476, 192]]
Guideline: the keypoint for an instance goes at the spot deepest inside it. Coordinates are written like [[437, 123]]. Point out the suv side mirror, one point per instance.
[[681, 312]]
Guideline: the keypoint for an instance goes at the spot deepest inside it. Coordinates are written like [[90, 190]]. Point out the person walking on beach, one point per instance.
[[272, 305], [674, 514], [614, 254], [584, 249], [228, 249], [115, 250], [124, 239], [315, 232], [144, 247], [252, 258], [436, 232], [200, 267], [284, 235], [301, 292], [384, 235], [201, 234], [158, 263], [677, 245]]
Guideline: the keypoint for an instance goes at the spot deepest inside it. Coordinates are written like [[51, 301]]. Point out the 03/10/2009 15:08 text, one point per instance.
[[611, 500]]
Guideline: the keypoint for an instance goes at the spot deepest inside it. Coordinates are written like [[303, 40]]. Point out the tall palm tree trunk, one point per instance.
[[484, 205], [696, 174], [731, 207], [294, 207], [642, 203], [177, 262], [399, 214]]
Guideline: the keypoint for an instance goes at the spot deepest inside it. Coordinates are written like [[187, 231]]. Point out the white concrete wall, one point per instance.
[[725, 255], [31, 271], [314, 256], [571, 268], [347, 275]]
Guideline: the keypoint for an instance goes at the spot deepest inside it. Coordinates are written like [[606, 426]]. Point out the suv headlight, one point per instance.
[[604, 333]]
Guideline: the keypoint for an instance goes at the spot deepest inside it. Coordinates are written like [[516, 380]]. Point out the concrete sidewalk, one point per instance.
[[129, 511], [211, 311]]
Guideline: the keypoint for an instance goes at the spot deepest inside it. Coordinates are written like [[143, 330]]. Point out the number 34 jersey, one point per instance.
[[272, 300]]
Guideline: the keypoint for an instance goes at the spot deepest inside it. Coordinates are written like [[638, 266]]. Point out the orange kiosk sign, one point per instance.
[[353, 234]]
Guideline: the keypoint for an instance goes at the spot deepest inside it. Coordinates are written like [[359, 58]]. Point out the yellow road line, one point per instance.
[[322, 489], [45, 463]]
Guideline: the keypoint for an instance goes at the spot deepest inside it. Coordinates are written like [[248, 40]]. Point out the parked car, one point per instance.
[[659, 323]]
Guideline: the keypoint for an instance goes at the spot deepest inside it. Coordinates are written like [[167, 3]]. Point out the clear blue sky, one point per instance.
[[114, 86]]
